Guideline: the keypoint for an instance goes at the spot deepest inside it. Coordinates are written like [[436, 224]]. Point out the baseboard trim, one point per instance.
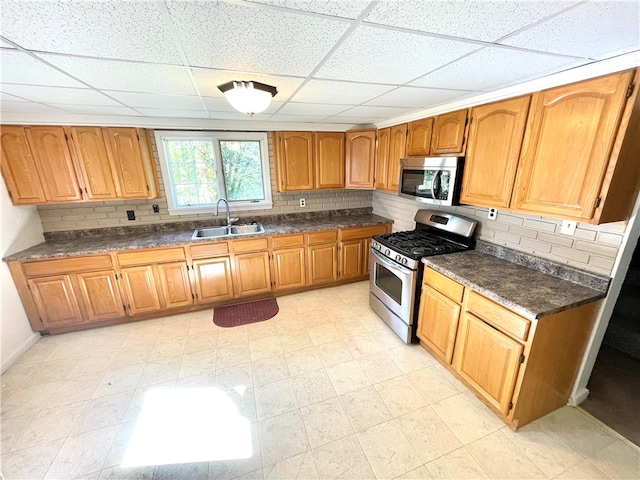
[[20, 351], [578, 396]]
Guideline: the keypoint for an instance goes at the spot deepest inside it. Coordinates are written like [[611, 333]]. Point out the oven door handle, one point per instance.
[[390, 264]]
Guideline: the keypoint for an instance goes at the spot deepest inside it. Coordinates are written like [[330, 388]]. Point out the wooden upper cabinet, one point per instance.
[[124, 147], [294, 157], [19, 168], [397, 150], [495, 138], [449, 133], [382, 158], [567, 147], [94, 163], [419, 140], [360, 159], [53, 159], [328, 149]]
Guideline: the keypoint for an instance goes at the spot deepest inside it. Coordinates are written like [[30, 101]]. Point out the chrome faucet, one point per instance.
[[230, 221]]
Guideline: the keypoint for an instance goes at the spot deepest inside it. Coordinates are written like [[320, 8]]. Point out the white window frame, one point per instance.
[[215, 136]]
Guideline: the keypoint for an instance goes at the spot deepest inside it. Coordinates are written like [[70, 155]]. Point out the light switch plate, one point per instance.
[[568, 227]]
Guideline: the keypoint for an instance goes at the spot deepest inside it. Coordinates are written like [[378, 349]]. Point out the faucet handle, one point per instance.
[[233, 220]]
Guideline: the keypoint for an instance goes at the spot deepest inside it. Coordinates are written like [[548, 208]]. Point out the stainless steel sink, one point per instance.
[[217, 232]]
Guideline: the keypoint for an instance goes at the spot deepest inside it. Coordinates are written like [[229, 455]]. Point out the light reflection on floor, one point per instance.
[[188, 425]]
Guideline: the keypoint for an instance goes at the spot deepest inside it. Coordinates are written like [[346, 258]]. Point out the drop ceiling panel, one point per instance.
[[149, 100], [345, 9], [97, 110], [69, 96], [18, 67], [368, 111], [593, 29], [298, 118], [414, 97], [507, 66], [5, 44], [346, 93], [222, 105], [28, 107], [258, 117], [476, 19], [318, 109], [253, 39], [127, 30], [176, 113], [127, 76], [359, 120], [375, 55], [10, 98], [208, 81]]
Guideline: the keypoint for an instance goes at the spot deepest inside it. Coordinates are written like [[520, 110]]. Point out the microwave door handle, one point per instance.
[[433, 183]]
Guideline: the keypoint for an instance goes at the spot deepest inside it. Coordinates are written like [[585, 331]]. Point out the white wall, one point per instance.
[[21, 228]]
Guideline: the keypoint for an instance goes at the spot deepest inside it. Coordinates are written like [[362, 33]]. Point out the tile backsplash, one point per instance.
[[593, 247], [79, 216]]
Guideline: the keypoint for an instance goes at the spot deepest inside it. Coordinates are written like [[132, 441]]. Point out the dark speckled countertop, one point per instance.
[[116, 240], [529, 292]]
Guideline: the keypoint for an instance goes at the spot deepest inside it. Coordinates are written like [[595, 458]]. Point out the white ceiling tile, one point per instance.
[[208, 81], [356, 120], [96, 110], [347, 93], [486, 20], [27, 107], [252, 39], [127, 76], [168, 112], [371, 111], [219, 104], [590, 30], [58, 95], [507, 66], [4, 97], [317, 109], [345, 9], [297, 118], [18, 67], [414, 97], [5, 44], [258, 117], [131, 30], [151, 100], [376, 55]]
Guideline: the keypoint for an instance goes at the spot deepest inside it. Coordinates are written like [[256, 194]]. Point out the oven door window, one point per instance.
[[432, 184], [389, 283]]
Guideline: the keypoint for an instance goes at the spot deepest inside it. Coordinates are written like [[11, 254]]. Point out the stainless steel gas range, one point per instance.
[[396, 269]]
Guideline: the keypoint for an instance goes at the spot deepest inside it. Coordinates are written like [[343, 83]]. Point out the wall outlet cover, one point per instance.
[[131, 215], [493, 214], [156, 208], [568, 227], [303, 202]]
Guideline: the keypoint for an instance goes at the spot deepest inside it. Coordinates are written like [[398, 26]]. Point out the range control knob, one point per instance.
[[386, 252], [397, 258], [404, 260]]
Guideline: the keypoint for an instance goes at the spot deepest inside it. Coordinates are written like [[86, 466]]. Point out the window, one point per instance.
[[198, 168]]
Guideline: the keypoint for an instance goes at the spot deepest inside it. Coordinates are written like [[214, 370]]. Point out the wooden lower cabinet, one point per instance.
[[351, 258], [438, 322], [56, 300], [252, 274], [175, 284], [141, 290], [213, 279], [100, 295], [289, 268], [322, 263]]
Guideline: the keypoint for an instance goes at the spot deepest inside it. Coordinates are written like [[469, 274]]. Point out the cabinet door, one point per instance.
[[213, 279], [438, 322], [419, 142], [252, 276], [102, 299], [53, 158], [566, 149], [360, 159], [322, 261], [351, 263], [495, 138], [124, 148], [382, 158], [294, 161], [175, 284], [448, 133], [55, 299], [397, 150], [289, 268], [329, 159], [140, 287], [366, 256], [93, 160], [19, 168], [488, 360]]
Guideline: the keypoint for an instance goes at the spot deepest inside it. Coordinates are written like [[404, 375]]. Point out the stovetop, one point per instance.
[[417, 243]]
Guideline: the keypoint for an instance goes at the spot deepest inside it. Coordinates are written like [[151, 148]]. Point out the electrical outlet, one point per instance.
[[493, 214], [156, 208], [131, 215], [303, 202], [568, 227]]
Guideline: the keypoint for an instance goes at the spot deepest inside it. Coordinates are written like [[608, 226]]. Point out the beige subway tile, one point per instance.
[[584, 234], [507, 238], [605, 264], [72, 218], [560, 240], [610, 238], [570, 254], [104, 209], [523, 232], [497, 226], [596, 248], [535, 245], [511, 219], [540, 225], [95, 216]]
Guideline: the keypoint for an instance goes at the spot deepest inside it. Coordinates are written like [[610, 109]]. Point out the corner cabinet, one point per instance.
[[521, 368], [360, 158]]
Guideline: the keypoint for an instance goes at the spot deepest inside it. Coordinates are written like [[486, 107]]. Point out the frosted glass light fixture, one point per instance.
[[248, 96]]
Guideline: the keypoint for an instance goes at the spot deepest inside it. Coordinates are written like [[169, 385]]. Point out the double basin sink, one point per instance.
[[233, 230]]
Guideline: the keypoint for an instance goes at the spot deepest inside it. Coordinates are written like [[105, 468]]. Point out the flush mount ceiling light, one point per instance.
[[248, 96]]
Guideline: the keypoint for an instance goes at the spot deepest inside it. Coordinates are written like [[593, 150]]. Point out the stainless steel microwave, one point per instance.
[[434, 180]]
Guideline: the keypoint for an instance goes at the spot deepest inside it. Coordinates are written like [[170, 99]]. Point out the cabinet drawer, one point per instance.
[[362, 232], [322, 237], [498, 316], [209, 250], [151, 256], [251, 245], [66, 265], [284, 241], [443, 284]]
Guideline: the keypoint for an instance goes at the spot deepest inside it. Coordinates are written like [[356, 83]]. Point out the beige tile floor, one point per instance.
[[323, 390]]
